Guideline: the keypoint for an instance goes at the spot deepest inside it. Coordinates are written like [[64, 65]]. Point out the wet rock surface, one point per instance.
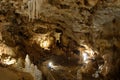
[[66, 25]]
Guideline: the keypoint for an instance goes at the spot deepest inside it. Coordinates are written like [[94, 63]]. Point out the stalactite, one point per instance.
[[37, 6], [34, 9], [29, 9]]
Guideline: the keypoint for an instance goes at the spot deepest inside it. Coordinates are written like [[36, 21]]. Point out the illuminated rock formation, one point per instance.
[[32, 69], [82, 36]]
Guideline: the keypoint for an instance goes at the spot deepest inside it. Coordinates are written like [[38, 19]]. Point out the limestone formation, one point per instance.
[[32, 69], [81, 36]]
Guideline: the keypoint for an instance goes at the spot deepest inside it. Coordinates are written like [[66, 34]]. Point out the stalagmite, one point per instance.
[[27, 63], [32, 69]]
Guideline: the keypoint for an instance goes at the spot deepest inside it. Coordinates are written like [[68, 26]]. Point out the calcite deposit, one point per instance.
[[80, 37]]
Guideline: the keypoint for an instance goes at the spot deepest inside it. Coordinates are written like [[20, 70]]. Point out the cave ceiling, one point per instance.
[[61, 27]]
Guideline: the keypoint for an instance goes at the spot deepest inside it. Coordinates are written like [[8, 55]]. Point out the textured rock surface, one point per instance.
[[95, 23], [11, 74]]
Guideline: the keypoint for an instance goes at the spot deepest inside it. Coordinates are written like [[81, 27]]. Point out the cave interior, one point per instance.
[[59, 39]]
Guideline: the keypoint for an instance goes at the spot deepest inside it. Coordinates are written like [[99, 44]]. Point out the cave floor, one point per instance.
[[62, 68], [12, 74]]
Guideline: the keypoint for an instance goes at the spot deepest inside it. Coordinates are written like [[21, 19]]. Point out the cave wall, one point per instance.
[[94, 23]]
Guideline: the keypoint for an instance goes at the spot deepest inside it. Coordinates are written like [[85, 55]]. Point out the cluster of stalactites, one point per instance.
[[34, 8]]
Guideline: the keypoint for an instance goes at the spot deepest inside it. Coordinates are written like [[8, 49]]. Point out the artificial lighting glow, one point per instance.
[[85, 57], [43, 40], [8, 61], [50, 64], [45, 44], [90, 51], [4, 49]]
